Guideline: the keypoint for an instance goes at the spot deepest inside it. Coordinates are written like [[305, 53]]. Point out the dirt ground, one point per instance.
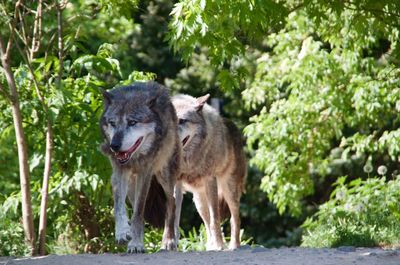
[[245, 255]]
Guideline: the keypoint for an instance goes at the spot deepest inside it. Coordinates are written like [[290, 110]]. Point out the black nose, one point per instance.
[[116, 141], [115, 146]]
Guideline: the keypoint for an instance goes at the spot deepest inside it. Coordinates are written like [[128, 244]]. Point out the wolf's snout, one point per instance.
[[115, 146], [116, 142]]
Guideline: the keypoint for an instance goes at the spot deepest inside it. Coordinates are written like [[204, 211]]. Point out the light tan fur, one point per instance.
[[213, 166]]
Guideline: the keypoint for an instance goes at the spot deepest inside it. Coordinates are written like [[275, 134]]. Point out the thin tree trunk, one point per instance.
[[49, 142], [27, 217], [45, 188]]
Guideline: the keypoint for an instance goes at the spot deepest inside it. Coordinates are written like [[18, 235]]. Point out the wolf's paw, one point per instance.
[[135, 247], [233, 245], [122, 233], [169, 244], [213, 245]]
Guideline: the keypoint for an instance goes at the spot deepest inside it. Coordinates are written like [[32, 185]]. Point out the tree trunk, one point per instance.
[[27, 216], [49, 143], [45, 187]]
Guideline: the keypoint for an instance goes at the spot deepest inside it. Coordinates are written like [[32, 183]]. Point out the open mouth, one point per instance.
[[124, 157], [184, 141]]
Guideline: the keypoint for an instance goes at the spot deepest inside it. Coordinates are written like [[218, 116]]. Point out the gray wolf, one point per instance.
[[214, 167], [139, 126]]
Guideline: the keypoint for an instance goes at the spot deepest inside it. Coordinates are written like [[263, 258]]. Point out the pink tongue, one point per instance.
[[125, 155]]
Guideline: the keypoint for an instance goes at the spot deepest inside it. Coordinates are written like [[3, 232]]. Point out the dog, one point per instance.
[[214, 167], [139, 126]]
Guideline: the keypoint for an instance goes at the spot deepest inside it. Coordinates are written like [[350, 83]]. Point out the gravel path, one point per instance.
[[245, 255]]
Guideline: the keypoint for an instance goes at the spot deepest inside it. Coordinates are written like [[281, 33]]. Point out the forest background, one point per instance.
[[315, 86]]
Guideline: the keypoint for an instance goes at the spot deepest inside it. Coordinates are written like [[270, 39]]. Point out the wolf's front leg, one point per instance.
[[215, 242], [120, 188], [142, 185]]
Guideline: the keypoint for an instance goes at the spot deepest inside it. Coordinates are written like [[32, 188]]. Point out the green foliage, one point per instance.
[[326, 77], [196, 239], [317, 96], [193, 240], [119, 7], [221, 25], [147, 49], [360, 213], [319, 79], [12, 233], [80, 192]]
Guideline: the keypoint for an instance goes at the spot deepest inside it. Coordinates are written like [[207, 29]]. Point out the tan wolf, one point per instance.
[[214, 167], [139, 126]]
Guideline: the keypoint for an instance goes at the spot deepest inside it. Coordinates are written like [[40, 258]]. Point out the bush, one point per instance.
[[361, 213], [12, 240], [196, 239]]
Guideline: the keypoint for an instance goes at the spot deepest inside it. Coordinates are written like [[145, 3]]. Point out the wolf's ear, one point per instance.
[[152, 102], [201, 101], [107, 96]]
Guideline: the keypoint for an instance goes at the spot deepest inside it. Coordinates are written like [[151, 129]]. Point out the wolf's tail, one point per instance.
[[223, 207], [155, 208]]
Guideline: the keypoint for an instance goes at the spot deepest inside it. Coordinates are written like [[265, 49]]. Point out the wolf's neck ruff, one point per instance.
[[124, 157]]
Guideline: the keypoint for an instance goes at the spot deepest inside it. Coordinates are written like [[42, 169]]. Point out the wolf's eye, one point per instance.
[[112, 123], [131, 123], [182, 121]]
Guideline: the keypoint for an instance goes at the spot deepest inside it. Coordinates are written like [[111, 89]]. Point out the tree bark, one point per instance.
[[27, 217], [45, 188], [49, 140]]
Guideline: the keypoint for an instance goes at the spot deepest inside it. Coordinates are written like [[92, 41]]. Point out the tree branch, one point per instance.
[[60, 42], [4, 56], [36, 83], [2, 49], [37, 30]]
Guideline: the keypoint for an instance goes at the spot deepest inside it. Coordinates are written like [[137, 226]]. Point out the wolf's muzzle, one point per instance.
[[116, 142], [115, 147]]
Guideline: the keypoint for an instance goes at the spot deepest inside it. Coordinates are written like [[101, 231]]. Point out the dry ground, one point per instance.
[[245, 255]]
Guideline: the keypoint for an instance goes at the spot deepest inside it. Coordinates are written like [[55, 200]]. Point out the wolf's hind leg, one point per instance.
[[231, 193], [169, 241], [233, 201], [216, 242], [178, 194], [119, 188]]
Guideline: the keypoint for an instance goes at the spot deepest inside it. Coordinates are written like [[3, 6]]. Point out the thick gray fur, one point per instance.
[[214, 166], [131, 112]]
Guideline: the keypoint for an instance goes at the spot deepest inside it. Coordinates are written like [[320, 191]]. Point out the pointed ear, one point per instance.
[[107, 97], [201, 101], [152, 102]]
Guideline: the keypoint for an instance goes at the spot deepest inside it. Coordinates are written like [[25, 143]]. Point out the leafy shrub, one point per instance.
[[196, 239], [11, 232], [361, 213]]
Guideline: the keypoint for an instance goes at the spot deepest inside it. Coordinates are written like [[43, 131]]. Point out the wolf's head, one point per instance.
[[130, 122], [191, 122]]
